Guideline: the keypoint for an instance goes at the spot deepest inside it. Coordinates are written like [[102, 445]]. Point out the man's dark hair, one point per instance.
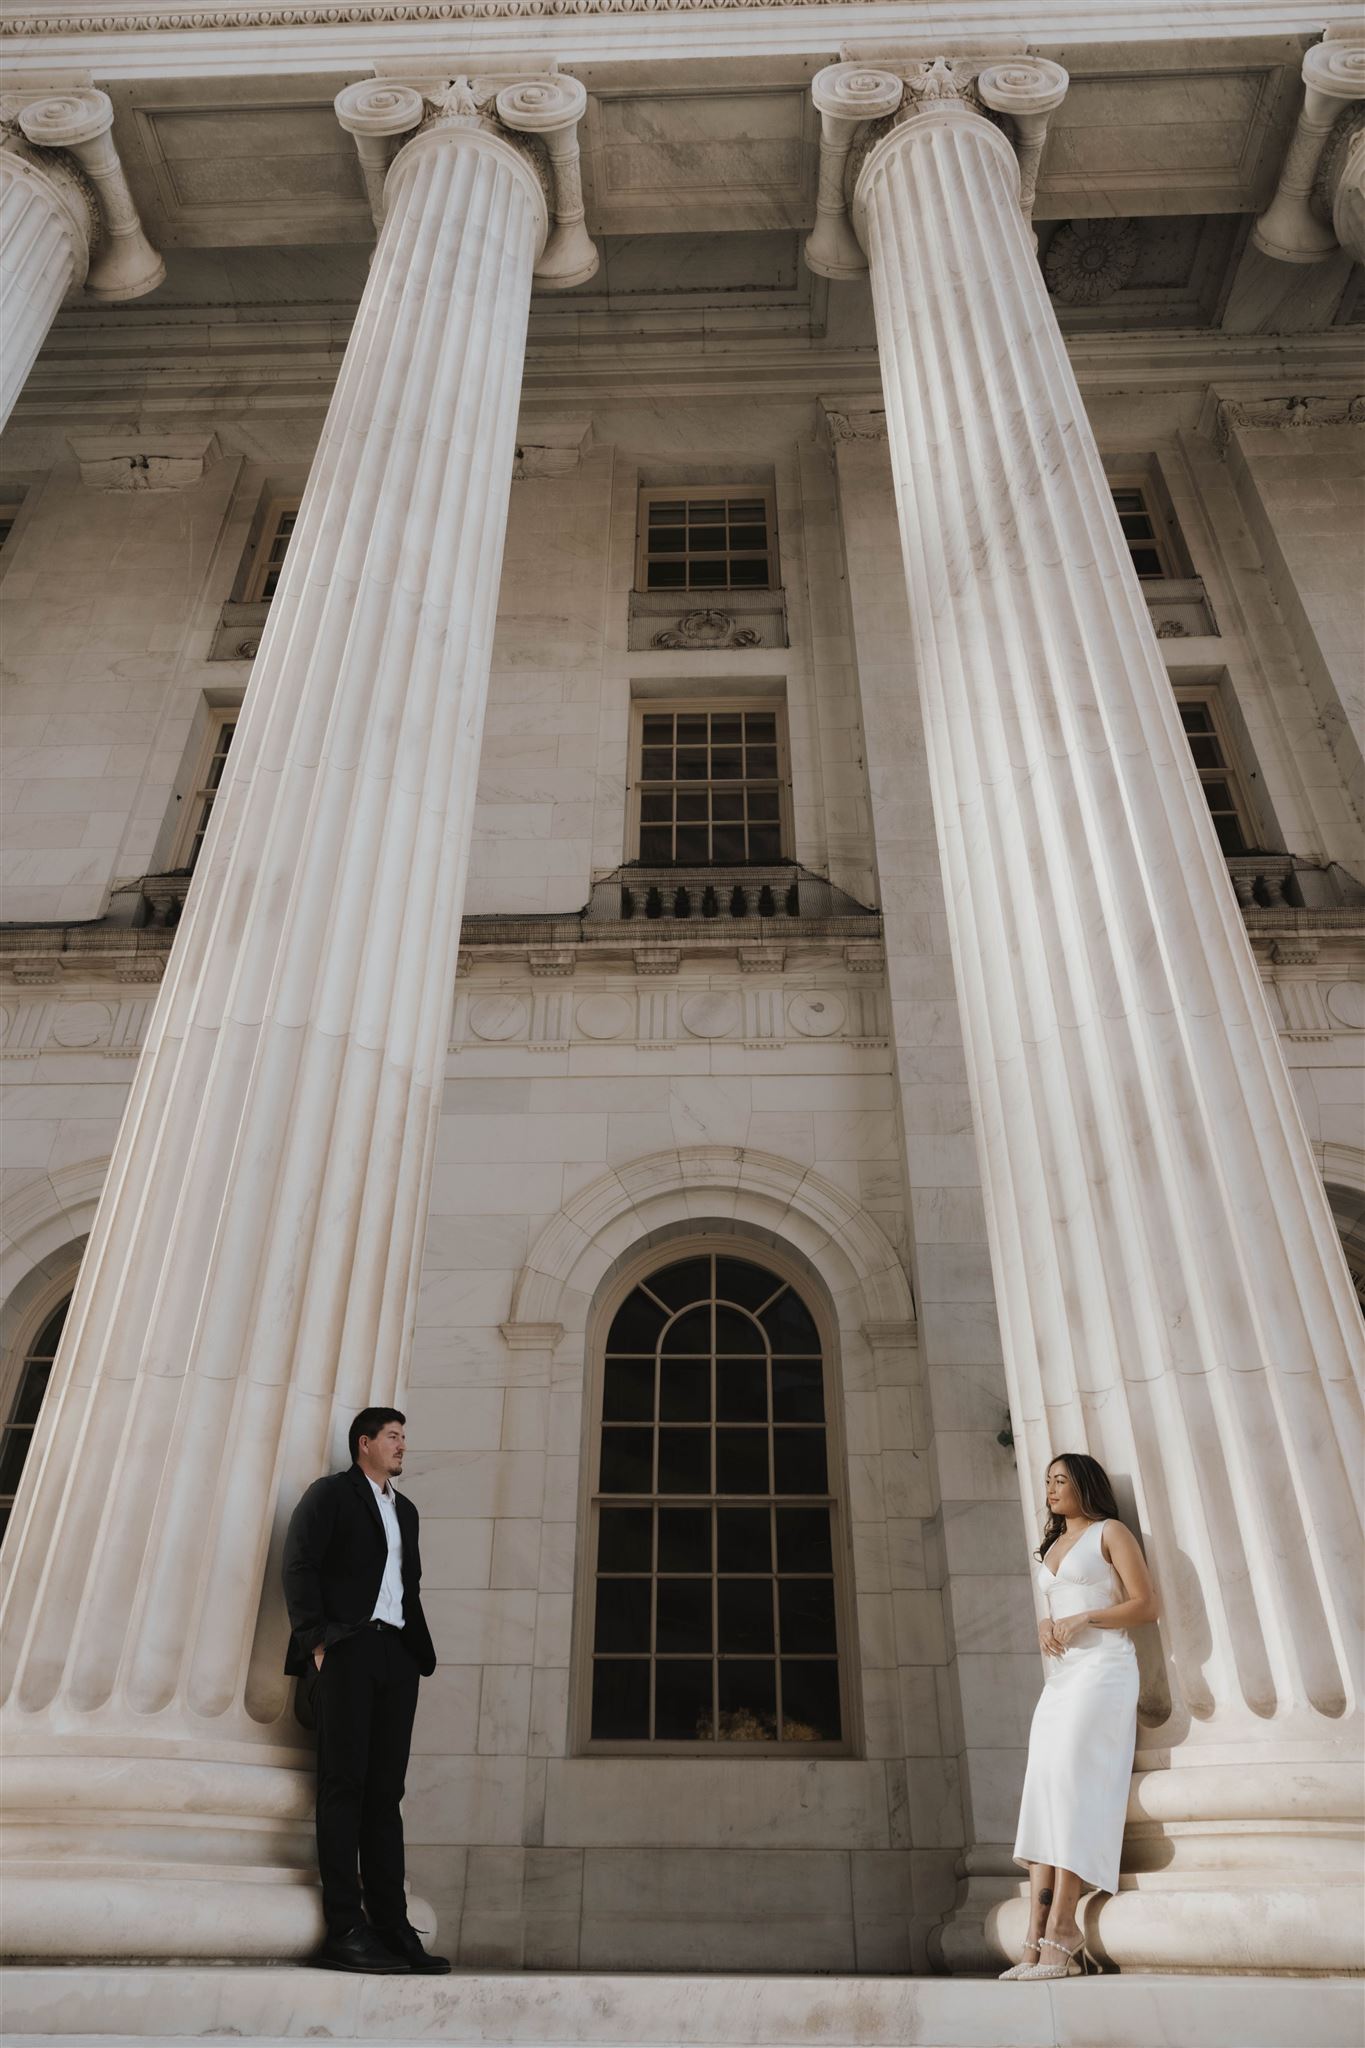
[[369, 1422]]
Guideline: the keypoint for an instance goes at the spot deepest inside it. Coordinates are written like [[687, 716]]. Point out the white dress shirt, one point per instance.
[[389, 1606]]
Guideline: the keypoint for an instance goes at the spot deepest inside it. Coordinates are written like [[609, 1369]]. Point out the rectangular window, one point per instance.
[[706, 539], [200, 800], [1218, 771], [268, 565], [712, 783], [1144, 532]]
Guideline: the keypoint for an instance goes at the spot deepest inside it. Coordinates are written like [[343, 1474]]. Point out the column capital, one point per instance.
[[536, 113], [1293, 229], [861, 105], [115, 261]]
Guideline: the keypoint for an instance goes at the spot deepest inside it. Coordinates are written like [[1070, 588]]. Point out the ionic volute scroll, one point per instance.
[[857, 102], [1319, 205], [538, 113], [66, 137]]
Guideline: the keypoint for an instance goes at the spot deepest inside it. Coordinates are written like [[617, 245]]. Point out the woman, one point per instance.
[[1095, 1587]]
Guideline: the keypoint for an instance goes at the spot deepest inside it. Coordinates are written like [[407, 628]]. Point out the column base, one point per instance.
[[174, 1859], [1229, 1869]]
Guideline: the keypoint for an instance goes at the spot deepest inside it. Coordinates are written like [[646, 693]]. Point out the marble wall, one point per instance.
[[1302, 495], [611, 1112]]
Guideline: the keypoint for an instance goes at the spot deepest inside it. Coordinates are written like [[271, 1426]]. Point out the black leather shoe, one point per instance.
[[406, 1942], [359, 1949]]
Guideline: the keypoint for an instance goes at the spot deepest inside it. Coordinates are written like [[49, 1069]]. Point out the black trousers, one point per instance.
[[364, 1702]]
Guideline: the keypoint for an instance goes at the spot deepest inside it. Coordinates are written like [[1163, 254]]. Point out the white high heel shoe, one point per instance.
[[1022, 1966], [1068, 1956]]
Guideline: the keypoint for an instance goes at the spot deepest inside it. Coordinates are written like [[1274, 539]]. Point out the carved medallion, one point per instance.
[[706, 629], [1090, 260]]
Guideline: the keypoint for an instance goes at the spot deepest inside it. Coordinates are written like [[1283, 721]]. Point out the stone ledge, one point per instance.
[[79, 2007]]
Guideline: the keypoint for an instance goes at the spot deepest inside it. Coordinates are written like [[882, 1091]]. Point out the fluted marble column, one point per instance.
[[1172, 1294], [250, 1278], [66, 218]]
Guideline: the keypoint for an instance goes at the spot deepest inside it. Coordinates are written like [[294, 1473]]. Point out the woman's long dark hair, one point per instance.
[[1091, 1482]]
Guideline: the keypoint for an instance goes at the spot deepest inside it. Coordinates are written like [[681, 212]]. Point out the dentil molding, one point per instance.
[[352, 13]]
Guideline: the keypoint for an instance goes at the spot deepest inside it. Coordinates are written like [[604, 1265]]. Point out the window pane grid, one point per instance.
[[715, 1601], [208, 789], [710, 789], [1217, 774], [716, 542], [16, 1436], [268, 567], [1142, 532]]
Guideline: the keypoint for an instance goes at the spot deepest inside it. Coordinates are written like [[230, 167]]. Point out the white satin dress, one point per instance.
[[1080, 1749]]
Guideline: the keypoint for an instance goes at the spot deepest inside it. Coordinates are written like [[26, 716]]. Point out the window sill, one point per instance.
[[1180, 608], [238, 632]]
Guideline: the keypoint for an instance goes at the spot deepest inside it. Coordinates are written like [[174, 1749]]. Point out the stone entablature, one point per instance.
[[818, 1004]]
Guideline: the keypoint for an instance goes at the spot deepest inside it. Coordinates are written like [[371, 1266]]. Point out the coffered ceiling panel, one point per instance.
[[251, 161], [289, 169], [656, 162], [1203, 141]]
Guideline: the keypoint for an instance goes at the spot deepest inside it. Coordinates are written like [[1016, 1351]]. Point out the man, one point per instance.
[[352, 1579]]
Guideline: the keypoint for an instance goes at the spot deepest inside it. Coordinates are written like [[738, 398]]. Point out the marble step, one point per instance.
[[136, 2006]]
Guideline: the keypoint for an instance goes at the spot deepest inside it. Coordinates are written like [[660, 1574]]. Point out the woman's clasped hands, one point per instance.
[[1055, 1636]]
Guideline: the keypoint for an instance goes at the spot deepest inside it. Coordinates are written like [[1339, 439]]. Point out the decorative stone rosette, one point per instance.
[[1087, 261]]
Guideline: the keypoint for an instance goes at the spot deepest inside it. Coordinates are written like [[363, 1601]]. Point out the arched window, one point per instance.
[[715, 1613], [1348, 1213], [26, 1384]]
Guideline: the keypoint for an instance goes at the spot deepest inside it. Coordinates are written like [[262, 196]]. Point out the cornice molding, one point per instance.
[[152, 382], [360, 13], [1056, 20]]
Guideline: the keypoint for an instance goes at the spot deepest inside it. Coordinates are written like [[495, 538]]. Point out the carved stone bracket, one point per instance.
[[539, 114], [551, 448], [657, 959], [857, 102], [551, 962], [142, 462], [1283, 413], [1290, 229], [850, 419], [118, 262], [762, 959]]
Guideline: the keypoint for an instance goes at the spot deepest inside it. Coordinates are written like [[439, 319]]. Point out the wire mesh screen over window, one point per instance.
[[715, 1595], [706, 543], [710, 792], [35, 1370], [1216, 773], [204, 795]]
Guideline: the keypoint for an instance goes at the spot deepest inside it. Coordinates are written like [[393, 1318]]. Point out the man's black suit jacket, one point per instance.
[[334, 1558]]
